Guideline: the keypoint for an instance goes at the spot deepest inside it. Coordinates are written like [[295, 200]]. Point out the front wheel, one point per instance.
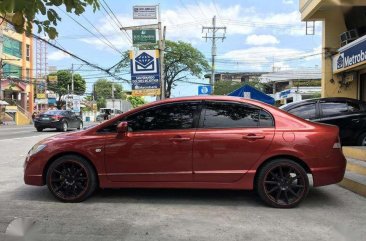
[[282, 183], [71, 179], [39, 129]]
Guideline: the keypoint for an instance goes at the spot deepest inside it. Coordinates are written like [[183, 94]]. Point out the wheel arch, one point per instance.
[[55, 157], [289, 157]]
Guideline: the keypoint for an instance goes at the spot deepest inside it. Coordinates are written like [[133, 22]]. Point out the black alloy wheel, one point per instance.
[[282, 183], [71, 179], [39, 129]]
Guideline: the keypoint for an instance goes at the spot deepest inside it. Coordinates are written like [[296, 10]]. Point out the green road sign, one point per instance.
[[145, 36]]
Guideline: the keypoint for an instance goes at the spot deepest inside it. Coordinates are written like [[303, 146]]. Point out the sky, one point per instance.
[[261, 34]]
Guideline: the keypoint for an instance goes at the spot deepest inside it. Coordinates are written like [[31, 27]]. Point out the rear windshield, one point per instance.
[[54, 112]]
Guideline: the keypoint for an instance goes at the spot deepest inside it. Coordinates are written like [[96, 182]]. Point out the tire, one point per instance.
[[39, 129], [65, 126], [284, 190], [362, 140], [80, 125], [71, 178]]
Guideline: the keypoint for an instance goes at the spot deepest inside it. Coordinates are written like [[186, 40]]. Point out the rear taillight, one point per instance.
[[337, 145], [57, 117]]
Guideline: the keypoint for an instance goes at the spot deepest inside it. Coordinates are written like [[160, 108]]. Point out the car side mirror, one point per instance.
[[122, 128]]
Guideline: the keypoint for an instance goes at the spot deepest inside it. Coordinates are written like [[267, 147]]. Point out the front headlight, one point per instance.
[[36, 148]]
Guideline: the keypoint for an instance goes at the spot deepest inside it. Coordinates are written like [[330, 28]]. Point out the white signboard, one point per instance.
[[144, 12], [246, 95]]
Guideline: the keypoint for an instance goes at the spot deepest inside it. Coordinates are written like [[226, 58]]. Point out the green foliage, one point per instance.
[[226, 87], [103, 91], [136, 101], [23, 13], [181, 60], [63, 81]]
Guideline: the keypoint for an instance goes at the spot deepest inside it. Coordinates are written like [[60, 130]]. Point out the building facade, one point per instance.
[[343, 45], [293, 85], [17, 68]]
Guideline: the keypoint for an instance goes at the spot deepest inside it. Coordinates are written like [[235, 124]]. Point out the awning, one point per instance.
[[250, 92]]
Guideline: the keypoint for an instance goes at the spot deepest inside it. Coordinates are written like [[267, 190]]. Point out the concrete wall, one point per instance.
[[333, 26]]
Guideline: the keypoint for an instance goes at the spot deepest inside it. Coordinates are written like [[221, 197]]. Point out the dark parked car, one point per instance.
[[192, 142], [62, 120], [348, 114]]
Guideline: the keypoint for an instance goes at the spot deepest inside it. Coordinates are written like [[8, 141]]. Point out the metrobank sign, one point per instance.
[[350, 56]]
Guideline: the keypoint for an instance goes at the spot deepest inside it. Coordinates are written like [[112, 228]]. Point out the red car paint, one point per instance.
[[196, 158]]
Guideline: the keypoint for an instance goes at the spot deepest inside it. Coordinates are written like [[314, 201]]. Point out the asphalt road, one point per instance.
[[329, 213], [12, 131]]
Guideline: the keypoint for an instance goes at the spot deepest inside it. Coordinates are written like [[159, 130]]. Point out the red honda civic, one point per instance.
[[215, 142]]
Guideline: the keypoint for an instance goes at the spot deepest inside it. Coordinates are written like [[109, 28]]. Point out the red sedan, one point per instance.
[[193, 142]]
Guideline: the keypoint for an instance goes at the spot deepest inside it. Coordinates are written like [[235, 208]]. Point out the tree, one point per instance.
[[23, 13], [103, 91], [136, 101], [63, 84], [181, 60]]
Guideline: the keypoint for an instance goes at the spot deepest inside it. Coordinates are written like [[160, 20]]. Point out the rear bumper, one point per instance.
[[54, 124], [332, 171]]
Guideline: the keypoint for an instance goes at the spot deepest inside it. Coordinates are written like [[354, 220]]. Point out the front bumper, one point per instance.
[[33, 170]]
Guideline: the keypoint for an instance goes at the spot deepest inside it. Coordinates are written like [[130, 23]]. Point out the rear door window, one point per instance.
[[307, 111], [334, 108], [230, 115]]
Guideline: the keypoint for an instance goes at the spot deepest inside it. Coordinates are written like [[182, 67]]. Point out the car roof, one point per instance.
[[293, 104]]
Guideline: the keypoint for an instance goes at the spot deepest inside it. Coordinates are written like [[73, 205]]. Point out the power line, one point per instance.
[[85, 28], [115, 20], [112, 45], [187, 9]]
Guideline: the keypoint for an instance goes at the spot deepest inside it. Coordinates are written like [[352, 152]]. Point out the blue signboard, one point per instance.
[[145, 69], [352, 56], [204, 90]]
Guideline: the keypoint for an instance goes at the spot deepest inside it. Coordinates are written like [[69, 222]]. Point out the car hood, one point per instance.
[[63, 137]]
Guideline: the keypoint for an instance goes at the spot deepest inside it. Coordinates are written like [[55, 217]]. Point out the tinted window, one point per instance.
[[304, 111], [333, 108], [354, 107], [230, 115], [54, 112], [173, 116], [265, 119]]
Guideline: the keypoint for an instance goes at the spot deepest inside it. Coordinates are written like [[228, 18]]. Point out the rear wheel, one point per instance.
[[362, 140], [80, 125], [39, 129], [64, 126], [282, 183], [71, 179]]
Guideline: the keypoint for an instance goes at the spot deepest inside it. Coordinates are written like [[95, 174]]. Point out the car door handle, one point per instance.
[[253, 137], [355, 120], [179, 139]]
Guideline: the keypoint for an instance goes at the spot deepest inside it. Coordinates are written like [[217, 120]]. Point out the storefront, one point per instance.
[[349, 67]]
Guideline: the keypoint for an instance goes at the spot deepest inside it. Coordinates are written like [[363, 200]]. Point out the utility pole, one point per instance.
[[72, 79], [213, 29], [161, 44], [161, 54]]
